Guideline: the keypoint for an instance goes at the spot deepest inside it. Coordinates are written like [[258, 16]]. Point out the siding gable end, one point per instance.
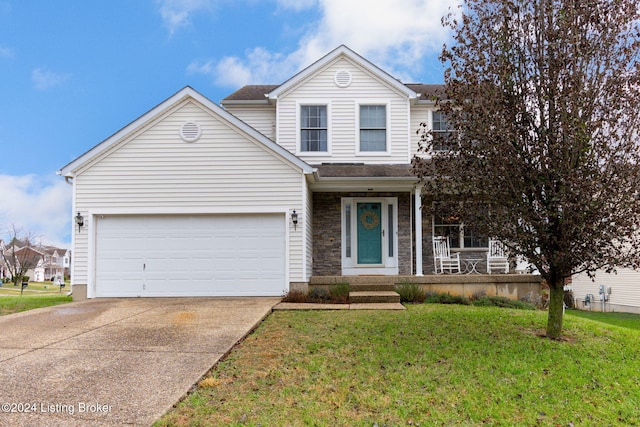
[[165, 109], [342, 52]]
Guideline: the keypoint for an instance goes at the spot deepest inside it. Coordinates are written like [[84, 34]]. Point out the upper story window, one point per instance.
[[441, 131], [313, 128], [373, 128]]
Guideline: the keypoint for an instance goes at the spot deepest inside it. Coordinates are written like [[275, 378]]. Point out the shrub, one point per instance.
[[502, 302], [295, 296], [568, 299], [478, 294], [410, 292], [339, 293], [540, 301], [441, 298], [318, 295]]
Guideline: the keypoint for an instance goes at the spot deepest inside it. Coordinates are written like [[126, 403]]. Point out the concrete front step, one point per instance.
[[372, 287], [369, 297]]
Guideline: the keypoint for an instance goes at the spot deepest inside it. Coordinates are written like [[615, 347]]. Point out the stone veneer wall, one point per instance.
[[327, 231]]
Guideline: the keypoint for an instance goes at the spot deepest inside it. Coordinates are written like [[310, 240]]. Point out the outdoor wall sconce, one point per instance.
[[79, 221], [294, 219]]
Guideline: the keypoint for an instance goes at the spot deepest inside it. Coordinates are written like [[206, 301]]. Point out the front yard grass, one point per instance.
[[429, 365], [17, 303]]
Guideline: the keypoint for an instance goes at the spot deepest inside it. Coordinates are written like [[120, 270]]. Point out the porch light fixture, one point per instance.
[[79, 221], [294, 219]]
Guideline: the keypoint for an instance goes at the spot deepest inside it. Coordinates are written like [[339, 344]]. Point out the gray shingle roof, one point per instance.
[[250, 93], [257, 92], [428, 92]]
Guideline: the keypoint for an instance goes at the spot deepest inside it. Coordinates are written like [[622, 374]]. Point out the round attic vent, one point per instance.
[[342, 78], [190, 132]]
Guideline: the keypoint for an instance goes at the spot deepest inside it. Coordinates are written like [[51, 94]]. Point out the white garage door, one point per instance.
[[214, 255]]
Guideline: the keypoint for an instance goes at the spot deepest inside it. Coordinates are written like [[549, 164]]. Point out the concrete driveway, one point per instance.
[[114, 361]]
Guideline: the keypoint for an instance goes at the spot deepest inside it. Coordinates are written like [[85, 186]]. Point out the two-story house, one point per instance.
[[310, 177], [42, 263], [53, 265]]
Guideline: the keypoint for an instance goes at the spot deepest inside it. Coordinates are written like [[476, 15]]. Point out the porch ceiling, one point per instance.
[[361, 177]]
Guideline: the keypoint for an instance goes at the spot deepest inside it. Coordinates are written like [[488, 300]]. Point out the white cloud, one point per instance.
[[44, 79], [37, 204], [394, 34], [5, 52], [297, 5], [176, 14], [259, 66]]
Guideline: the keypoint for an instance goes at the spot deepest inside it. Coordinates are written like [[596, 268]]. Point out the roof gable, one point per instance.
[[187, 93], [342, 51]]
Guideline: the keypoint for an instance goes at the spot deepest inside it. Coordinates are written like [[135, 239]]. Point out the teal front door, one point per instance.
[[369, 233]]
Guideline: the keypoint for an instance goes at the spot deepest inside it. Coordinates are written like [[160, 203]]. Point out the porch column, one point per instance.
[[418, 229]]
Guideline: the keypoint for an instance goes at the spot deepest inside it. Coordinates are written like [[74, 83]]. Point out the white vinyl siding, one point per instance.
[[261, 118], [625, 290], [419, 114], [155, 172], [343, 116]]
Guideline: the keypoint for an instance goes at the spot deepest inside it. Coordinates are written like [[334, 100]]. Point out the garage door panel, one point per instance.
[[212, 255]]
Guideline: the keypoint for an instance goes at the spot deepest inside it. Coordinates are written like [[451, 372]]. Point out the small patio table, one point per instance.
[[470, 265]]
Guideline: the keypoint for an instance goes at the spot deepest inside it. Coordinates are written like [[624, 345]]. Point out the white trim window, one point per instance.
[[373, 128], [313, 129], [441, 130]]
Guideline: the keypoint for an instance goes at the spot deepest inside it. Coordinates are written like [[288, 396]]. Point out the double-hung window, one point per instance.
[[313, 128], [373, 128], [441, 132]]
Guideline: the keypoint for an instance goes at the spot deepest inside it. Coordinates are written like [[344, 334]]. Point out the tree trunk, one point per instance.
[[556, 305]]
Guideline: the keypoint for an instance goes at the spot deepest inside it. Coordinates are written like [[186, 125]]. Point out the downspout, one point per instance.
[[69, 180]]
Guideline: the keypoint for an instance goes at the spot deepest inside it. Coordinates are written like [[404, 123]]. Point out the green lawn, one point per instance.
[[626, 320], [430, 365], [10, 304], [34, 288]]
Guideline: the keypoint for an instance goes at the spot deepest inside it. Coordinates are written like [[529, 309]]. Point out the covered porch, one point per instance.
[[370, 230], [369, 220]]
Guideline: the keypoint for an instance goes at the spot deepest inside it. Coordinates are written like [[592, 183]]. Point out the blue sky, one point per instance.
[[74, 72]]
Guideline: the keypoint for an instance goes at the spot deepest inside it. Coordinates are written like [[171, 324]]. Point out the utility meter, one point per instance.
[[604, 292]]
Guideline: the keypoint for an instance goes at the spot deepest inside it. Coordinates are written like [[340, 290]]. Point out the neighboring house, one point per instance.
[[283, 182], [624, 296], [53, 264], [4, 271], [26, 260], [48, 262]]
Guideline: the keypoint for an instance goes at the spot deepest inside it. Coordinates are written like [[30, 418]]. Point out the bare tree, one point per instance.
[[543, 98], [21, 253]]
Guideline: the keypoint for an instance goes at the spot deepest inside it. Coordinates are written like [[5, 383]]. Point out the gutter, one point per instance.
[[68, 179]]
